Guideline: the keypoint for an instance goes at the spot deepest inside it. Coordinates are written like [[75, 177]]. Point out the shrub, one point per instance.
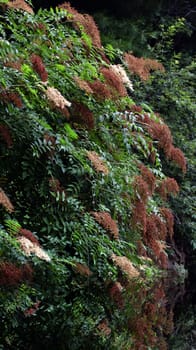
[[76, 167]]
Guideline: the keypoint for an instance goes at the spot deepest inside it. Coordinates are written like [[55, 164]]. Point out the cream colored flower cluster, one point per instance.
[[32, 248], [125, 265], [120, 71], [97, 162], [56, 99]]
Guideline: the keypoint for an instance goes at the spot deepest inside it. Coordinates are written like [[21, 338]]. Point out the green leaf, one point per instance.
[[70, 132]]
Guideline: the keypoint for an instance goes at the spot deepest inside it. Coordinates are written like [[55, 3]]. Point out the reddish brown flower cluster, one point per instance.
[[162, 344], [141, 66], [155, 227], [158, 293], [64, 112], [143, 330], [104, 219], [152, 320], [136, 109], [148, 177], [151, 232], [138, 345], [169, 218], [100, 90], [163, 260], [161, 132], [32, 310], [11, 97], [29, 235], [144, 119], [154, 237], [153, 65], [82, 269], [21, 5], [139, 215], [141, 188], [11, 275], [39, 67], [98, 164], [177, 156], [166, 187], [152, 156], [83, 115], [150, 310], [6, 135], [86, 21], [115, 292], [169, 326], [161, 227], [5, 202], [157, 248], [104, 328], [141, 249], [91, 29], [114, 82], [162, 316], [83, 85]]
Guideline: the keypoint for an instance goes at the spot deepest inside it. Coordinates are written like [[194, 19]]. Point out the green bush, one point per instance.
[[76, 162]]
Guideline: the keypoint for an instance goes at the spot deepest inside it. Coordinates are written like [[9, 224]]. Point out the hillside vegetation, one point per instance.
[[86, 231]]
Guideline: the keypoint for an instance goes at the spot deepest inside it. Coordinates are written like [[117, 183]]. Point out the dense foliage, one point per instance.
[[171, 40], [85, 225]]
